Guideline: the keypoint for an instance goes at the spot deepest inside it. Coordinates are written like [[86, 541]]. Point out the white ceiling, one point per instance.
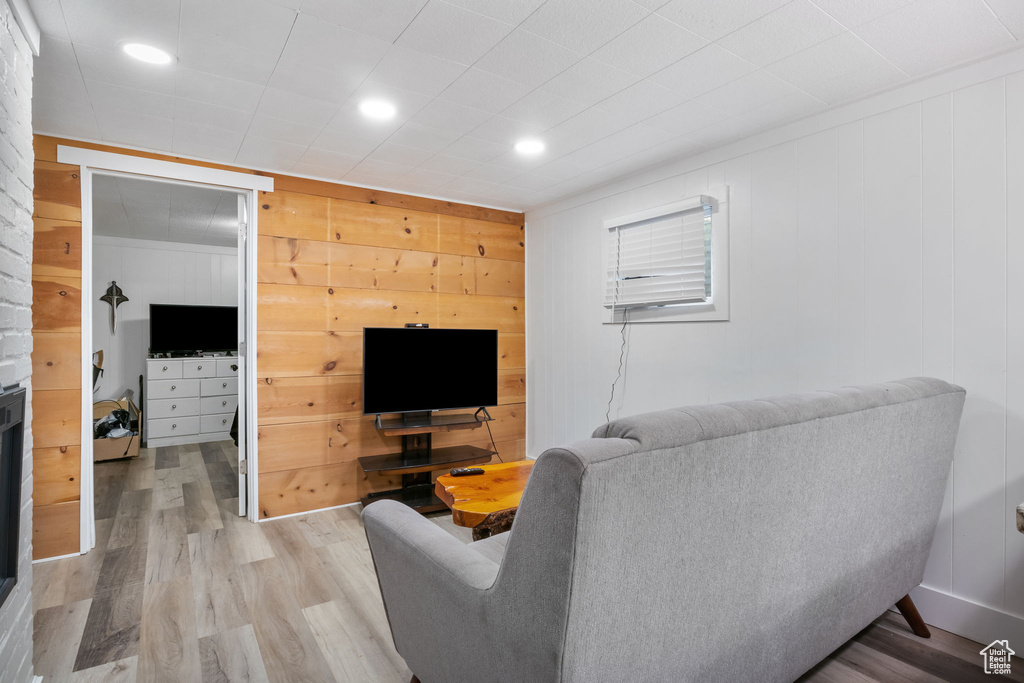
[[610, 85], [169, 212]]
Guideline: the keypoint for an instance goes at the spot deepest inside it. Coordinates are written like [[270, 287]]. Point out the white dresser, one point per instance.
[[190, 400]]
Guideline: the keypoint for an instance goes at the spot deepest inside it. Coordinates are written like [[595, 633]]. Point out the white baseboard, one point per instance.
[[58, 557], [307, 512], [968, 619]]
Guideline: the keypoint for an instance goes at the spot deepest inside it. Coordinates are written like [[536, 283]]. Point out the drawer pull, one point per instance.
[[223, 403], [225, 385], [165, 368], [173, 406], [174, 426], [199, 367], [224, 421], [173, 387]]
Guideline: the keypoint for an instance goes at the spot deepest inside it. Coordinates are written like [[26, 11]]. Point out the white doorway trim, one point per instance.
[[108, 163]]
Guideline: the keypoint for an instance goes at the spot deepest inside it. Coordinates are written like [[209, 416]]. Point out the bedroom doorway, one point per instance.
[[168, 258]]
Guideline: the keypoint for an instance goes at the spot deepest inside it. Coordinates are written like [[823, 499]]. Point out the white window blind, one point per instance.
[[661, 259]]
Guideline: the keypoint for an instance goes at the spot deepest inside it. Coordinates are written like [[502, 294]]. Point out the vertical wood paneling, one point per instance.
[[937, 290], [979, 307]]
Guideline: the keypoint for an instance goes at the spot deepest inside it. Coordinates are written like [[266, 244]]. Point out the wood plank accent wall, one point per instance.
[[332, 259]]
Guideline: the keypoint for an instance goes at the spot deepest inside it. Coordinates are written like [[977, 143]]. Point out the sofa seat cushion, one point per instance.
[[492, 548]]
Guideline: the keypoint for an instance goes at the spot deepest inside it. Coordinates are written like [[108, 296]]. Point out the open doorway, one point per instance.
[[95, 165], [167, 283]]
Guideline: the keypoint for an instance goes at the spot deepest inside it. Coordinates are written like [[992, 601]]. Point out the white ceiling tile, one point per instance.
[[361, 179], [471, 185], [589, 81], [852, 14], [530, 182], [449, 116], [50, 18], [206, 142], [583, 25], [505, 131], [453, 33], [840, 68], [543, 109], [399, 154], [481, 90], [649, 46], [423, 137], [560, 170], [509, 11], [491, 173], [225, 92], [271, 155], [581, 130], [448, 164], [783, 110], [686, 117], [338, 163], [713, 19], [475, 149], [319, 43], [381, 169], [107, 97], [345, 142], [641, 101], [283, 131], [1011, 14], [406, 103], [318, 82], [428, 178], [704, 70], [308, 170], [118, 68], [57, 57], [719, 133], [944, 33], [240, 39], [136, 130], [61, 106], [527, 58], [784, 32], [109, 24], [415, 71], [288, 106], [210, 114], [754, 90], [384, 19]]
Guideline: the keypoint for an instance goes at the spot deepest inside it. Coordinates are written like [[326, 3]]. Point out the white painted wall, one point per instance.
[[879, 242], [151, 272]]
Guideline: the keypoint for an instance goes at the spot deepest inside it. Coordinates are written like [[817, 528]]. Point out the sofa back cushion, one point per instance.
[[746, 541]]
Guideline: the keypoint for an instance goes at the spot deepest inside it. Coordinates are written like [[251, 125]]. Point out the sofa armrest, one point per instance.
[[399, 534]]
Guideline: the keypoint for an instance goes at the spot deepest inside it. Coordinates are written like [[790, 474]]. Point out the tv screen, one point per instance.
[[408, 370], [176, 328]]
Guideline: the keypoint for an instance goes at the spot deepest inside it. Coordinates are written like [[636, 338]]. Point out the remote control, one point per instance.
[[465, 471]]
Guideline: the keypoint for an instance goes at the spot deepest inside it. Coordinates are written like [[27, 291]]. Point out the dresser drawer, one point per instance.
[[216, 423], [173, 388], [172, 407], [227, 367], [220, 386], [163, 368], [172, 426], [219, 404], [206, 367]]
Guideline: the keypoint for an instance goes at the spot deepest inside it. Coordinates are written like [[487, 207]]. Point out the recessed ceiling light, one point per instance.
[[529, 147], [147, 53], [377, 109]]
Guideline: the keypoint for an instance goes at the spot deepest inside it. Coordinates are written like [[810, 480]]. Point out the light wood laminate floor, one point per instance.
[[179, 588]]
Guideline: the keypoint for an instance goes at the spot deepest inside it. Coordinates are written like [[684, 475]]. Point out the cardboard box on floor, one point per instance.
[[123, 447]]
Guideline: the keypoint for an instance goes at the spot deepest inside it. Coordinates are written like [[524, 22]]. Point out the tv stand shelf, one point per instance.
[[418, 459]]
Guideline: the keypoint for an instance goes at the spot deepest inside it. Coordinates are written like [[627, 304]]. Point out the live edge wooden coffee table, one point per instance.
[[486, 502]]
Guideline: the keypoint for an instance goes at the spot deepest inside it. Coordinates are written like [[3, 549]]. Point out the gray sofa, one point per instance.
[[734, 542]]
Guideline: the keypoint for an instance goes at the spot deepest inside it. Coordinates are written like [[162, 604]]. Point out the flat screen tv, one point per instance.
[[177, 328], [409, 370]]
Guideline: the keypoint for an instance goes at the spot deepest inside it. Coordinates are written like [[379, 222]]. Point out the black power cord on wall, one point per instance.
[[623, 352]]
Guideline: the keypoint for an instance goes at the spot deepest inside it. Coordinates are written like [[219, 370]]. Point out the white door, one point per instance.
[[243, 278]]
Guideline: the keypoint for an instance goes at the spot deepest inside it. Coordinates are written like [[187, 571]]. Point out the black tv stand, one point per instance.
[[418, 458]]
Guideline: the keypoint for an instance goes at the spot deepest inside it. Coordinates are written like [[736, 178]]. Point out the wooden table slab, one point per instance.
[[486, 502]]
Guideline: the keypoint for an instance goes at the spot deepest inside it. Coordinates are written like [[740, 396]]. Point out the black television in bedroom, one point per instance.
[[184, 329], [407, 370]]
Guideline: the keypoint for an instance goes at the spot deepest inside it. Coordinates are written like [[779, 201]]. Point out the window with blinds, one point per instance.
[[661, 259]]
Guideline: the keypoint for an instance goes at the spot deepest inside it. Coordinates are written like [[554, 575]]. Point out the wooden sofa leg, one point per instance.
[[414, 679], [909, 611]]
